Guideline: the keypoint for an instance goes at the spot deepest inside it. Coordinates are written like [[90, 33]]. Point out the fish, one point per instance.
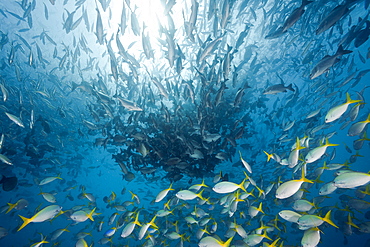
[[316, 153], [289, 188], [335, 15], [337, 111], [15, 119], [351, 179], [44, 214], [99, 28], [278, 88], [295, 16], [49, 180], [8, 183], [327, 62]]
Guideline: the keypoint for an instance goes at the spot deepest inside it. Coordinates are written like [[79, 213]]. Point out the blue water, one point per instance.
[[65, 87]]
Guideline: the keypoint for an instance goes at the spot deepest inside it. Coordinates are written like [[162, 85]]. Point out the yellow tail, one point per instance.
[[26, 221], [367, 119], [303, 178], [11, 206], [351, 101], [298, 145], [328, 220], [90, 215], [228, 242], [329, 144]]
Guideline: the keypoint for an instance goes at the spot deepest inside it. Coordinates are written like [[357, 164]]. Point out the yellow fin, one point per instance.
[[11, 206], [328, 220], [26, 221]]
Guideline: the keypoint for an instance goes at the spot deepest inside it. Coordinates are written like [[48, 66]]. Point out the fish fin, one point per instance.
[[11, 206], [329, 144], [328, 220], [298, 144], [227, 243], [26, 221], [260, 208], [341, 51], [349, 100], [367, 119], [304, 179], [290, 87], [89, 215]]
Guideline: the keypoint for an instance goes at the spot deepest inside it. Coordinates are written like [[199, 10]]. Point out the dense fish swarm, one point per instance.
[[229, 122]]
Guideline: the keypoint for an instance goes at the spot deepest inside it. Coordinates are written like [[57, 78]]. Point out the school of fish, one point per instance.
[[184, 123]]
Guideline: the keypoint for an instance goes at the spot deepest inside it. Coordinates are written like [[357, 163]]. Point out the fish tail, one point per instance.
[[367, 119], [260, 208], [290, 87], [265, 235], [328, 220], [351, 223], [228, 242], [241, 185], [11, 206], [269, 156], [304, 179], [349, 100], [298, 145], [89, 215], [74, 86], [26, 221], [341, 51], [329, 144]]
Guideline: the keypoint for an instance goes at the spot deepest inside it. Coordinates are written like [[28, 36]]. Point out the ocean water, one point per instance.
[[116, 101]]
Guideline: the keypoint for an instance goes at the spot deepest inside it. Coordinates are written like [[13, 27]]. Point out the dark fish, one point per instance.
[[363, 35], [295, 15], [9, 183], [275, 34], [327, 62], [335, 15], [279, 88]]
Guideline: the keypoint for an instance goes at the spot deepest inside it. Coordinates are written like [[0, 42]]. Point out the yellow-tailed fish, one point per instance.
[[189, 195], [294, 154], [351, 179], [49, 180], [228, 187], [253, 211], [145, 227], [337, 111], [311, 237], [358, 127], [308, 221], [289, 215], [318, 152], [163, 194], [38, 244], [46, 213], [211, 241], [82, 215], [129, 228], [197, 187], [81, 243], [302, 205], [255, 239], [289, 188], [56, 234]]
